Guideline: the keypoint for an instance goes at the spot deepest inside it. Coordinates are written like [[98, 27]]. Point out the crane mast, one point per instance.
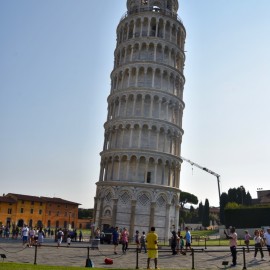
[[207, 170]]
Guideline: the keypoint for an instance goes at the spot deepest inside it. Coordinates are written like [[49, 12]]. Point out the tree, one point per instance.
[[85, 213], [235, 195], [206, 220], [224, 199], [248, 199], [186, 197], [200, 211]]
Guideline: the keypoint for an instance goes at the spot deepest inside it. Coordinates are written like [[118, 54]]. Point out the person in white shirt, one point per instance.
[[60, 235], [258, 244], [233, 244], [31, 237], [25, 233]]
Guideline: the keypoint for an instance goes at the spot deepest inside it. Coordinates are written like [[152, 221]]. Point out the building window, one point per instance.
[[40, 211], [40, 204], [22, 201], [9, 210], [148, 178], [21, 210], [32, 203], [66, 206], [31, 211]]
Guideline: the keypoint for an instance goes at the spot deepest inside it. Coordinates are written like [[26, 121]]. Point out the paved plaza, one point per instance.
[[77, 253]]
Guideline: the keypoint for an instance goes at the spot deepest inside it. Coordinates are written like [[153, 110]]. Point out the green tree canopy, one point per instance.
[[186, 197]]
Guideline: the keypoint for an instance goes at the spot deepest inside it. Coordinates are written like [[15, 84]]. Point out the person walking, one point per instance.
[[143, 242], [68, 240], [182, 245], [247, 240], [152, 247], [233, 244], [25, 234], [60, 235], [80, 236], [137, 241], [124, 240], [266, 237], [174, 243], [188, 239], [115, 239], [40, 236], [258, 244]]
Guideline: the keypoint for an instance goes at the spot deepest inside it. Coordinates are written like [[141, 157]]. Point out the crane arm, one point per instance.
[[206, 170], [200, 167]]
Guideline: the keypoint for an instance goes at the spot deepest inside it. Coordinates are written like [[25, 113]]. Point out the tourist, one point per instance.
[[124, 240], [97, 233], [188, 239], [258, 244], [182, 245], [233, 244], [25, 234], [59, 237], [247, 240], [174, 242], [142, 242], [68, 240], [31, 237], [80, 236], [137, 240], [41, 235], [152, 247], [115, 239], [266, 238]]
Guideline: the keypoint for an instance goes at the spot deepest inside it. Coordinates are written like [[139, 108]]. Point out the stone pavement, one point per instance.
[[77, 253]]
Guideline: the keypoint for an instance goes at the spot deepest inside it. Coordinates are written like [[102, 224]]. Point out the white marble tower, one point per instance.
[[140, 164]]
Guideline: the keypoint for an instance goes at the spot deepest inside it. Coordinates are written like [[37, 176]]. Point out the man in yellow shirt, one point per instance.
[[152, 247]]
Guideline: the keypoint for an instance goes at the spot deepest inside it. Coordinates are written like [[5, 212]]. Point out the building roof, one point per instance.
[[7, 199], [58, 200], [16, 197]]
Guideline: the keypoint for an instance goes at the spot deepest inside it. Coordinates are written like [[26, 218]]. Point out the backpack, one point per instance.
[[59, 234]]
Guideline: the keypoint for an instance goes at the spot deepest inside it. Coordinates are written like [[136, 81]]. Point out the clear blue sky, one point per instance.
[[55, 64]]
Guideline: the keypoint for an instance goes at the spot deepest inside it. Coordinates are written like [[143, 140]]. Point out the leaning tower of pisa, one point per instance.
[[140, 164]]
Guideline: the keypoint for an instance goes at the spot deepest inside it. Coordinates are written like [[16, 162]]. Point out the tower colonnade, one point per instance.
[[140, 165], [148, 76], [145, 137], [144, 105], [164, 28], [141, 168], [150, 50]]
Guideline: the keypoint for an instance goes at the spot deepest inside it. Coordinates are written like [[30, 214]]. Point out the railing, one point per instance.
[[156, 10], [87, 254]]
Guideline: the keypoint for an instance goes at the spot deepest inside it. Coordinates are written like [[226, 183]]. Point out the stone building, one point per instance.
[[140, 164]]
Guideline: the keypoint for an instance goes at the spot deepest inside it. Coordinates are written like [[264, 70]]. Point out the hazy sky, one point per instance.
[[55, 63]]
